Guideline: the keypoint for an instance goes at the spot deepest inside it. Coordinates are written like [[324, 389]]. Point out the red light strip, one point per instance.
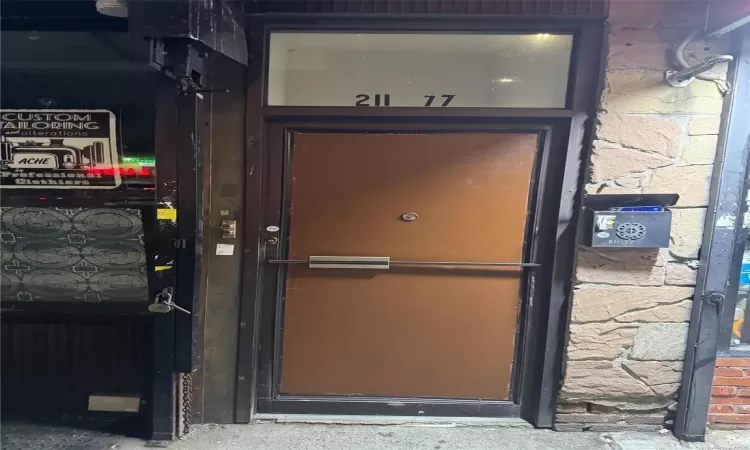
[[129, 171]]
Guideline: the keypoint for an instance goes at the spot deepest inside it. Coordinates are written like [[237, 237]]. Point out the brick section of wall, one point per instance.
[[730, 395], [630, 308]]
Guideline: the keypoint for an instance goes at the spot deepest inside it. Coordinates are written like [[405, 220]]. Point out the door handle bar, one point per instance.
[[384, 262]]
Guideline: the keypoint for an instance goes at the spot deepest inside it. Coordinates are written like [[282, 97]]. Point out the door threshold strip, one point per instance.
[[325, 419]]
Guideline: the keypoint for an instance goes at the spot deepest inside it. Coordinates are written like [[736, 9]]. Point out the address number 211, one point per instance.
[[385, 100]]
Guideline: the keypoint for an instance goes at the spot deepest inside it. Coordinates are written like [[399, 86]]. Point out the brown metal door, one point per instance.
[[410, 331]]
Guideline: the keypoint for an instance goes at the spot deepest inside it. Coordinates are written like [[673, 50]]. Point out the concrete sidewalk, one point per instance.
[[302, 436]]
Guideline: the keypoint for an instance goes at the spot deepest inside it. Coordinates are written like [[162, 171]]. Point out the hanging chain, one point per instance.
[[187, 402]]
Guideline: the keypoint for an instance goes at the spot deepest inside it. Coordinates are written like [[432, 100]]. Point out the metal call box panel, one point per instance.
[[628, 220]]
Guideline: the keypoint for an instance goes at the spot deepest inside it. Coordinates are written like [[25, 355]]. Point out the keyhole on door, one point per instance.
[[409, 217]]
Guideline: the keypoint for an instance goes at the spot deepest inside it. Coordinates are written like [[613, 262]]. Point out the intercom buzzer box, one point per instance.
[[628, 220]]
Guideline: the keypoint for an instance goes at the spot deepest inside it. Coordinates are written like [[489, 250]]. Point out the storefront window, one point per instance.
[[77, 119], [741, 319], [99, 80], [419, 70]]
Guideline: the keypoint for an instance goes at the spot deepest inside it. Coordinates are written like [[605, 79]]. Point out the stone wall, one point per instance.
[[630, 308]]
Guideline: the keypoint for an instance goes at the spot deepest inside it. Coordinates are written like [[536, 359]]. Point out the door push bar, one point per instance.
[[383, 262]]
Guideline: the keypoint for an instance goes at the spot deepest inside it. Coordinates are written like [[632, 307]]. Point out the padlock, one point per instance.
[[163, 304], [161, 308]]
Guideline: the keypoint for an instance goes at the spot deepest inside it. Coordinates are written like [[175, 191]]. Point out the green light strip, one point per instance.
[[146, 162], [138, 159]]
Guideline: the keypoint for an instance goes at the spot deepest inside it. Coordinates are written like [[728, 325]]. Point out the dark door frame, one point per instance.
[[547, 322], [184, 36]]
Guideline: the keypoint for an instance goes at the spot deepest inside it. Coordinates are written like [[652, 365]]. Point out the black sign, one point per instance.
[[58, 149]]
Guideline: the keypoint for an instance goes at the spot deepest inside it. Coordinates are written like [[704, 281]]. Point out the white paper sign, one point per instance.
[[58, 149], [225, 249]]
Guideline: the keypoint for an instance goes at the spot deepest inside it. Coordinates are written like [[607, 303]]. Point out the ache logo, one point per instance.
[[33, 161], [37, 160]]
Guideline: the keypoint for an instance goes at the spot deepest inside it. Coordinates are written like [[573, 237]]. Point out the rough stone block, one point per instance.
[[679, 274], [678, 312], [647, 93], [691, 182], [599, 340], [597, 303], [591, 418], [645, 419], [637, 48], [655, 372], [649, 134], [640, 267], [704, 125], [701, 150], [599, 409], [605, 188], [628, 184], [608, 162], [641, 405], [687, 232], [587, 379], [666, 390], [571, 408], [633, 180], [660, 342]]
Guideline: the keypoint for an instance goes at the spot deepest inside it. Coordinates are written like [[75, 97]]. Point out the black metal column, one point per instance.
[[189, 224], [718, 254], [176, 256], [163, 273], [183, 63]]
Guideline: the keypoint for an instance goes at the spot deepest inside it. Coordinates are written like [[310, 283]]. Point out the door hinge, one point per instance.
[[713, 298]]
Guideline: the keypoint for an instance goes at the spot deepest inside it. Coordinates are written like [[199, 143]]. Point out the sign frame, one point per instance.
[[61, 148]]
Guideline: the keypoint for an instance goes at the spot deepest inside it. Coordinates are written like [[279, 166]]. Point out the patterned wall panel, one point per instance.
[[72, 254]]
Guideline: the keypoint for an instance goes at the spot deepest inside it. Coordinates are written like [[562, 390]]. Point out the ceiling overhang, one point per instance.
[[531, 8], [217, 25]]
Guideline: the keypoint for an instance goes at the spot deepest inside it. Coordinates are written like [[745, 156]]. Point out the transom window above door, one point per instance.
[[419, 70]]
